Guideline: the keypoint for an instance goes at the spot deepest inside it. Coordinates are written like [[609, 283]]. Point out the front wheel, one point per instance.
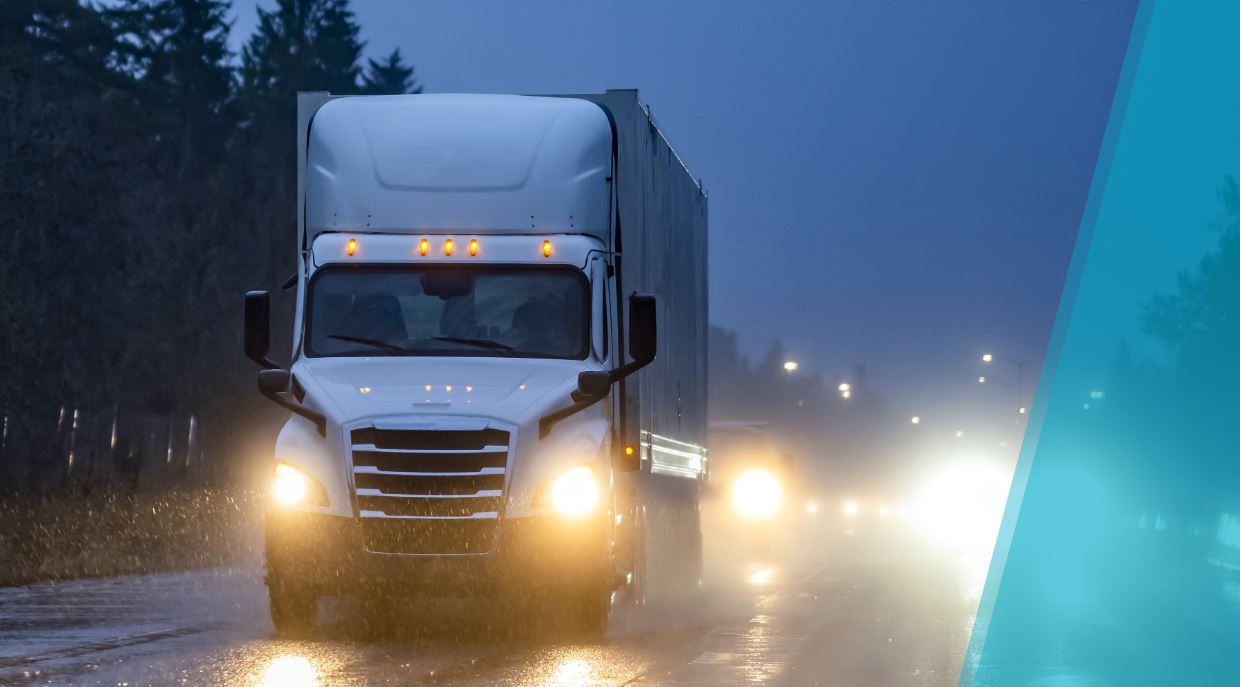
[[586, 613], [294, 607]]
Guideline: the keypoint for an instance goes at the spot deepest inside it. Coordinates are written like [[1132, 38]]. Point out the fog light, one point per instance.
[[756, 494], [575, 493], [290, 486]]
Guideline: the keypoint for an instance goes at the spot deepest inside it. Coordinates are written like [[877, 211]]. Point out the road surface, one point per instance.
[[877, 607]]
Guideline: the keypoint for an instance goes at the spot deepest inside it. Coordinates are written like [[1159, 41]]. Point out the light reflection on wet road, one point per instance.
[[878, 608]]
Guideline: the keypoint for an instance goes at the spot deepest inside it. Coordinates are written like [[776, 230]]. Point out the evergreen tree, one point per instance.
[[389, 77], [302, 45]]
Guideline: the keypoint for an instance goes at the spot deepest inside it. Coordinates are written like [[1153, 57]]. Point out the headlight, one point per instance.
[[292, 486], [574, 493], [755, 494]]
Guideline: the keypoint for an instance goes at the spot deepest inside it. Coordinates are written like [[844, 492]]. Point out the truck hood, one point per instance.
[[508, 389]]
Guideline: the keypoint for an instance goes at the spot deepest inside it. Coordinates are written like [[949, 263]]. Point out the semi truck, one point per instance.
[[497, 383]]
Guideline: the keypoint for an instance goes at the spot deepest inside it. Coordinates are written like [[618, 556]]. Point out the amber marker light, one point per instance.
[[546, 249], [628, 450], [424, 247], [448, 247], [351, 247], [473, 246]]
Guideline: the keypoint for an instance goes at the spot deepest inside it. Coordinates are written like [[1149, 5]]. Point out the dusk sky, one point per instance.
[[899, 187]]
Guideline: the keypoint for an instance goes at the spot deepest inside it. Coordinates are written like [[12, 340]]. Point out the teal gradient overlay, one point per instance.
[[1118, 562]]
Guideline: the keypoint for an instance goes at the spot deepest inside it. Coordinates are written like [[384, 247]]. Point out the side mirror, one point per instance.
[[593, 384], [258, 327], [643, 328], [271, 382]]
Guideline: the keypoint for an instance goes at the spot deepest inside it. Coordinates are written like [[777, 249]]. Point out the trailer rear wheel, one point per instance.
[[294, 607]]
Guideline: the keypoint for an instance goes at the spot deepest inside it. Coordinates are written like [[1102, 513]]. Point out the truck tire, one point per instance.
[[294, 607], [588, 613]]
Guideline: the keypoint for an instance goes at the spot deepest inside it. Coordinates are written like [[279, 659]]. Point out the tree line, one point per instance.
[[147, 180]]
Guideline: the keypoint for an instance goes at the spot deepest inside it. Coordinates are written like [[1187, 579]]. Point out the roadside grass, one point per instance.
[[67, 537]]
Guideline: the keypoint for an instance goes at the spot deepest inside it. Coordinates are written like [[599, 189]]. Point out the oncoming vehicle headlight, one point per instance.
[[575, 492], [755, 494], [292, 487]]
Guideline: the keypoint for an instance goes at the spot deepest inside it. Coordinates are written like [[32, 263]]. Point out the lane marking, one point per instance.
[[104, 645]]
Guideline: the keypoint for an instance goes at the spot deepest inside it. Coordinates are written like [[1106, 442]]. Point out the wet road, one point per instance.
[[883, 607]]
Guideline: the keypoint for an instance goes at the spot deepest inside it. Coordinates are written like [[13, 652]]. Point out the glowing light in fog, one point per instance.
[[981, 380], [756, 494], [761, 578], [846, 394], [915, 420], [962, 505], [791, 366], [290, 671], [960, 434], [851, 509], [1023, 410], [883, 511], [811, 508], [845, 386], [986, 357]]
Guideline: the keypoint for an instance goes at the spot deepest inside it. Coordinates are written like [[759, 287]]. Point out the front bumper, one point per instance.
[[532, 553]]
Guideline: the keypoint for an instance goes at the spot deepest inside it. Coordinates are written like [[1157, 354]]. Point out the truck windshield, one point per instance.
[[449, 311]]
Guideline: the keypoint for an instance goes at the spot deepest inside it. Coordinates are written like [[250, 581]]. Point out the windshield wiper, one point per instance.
[[375, 343], [480, 343]]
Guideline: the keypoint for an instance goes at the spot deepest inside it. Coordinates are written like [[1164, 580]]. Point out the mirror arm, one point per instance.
[[548, 421], [581, 402], [265, 363], [320, 422]]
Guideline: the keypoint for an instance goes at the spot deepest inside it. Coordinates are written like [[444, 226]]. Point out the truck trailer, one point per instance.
[[497, 382]]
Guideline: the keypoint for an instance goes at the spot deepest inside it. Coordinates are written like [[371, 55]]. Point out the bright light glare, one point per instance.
[[962, 505], [290, 484], [791, 366], [755, 494], [573, 672], [987, 357], [851, 509], [981, 380], [290, 671], [845, 386], [915, 420], [811, 508], [575, 493], [760, 578]]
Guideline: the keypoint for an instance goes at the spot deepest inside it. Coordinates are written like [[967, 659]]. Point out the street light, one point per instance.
[[845, 386], [915, 420], [791, 366], [960, 434], [989, 358]]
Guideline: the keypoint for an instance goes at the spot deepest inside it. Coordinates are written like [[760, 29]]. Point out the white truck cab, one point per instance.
[[481, 279]]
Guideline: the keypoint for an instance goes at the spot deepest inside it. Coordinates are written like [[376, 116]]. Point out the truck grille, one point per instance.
[[429, 491]]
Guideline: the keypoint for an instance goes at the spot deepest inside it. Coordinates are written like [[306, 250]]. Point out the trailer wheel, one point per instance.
[[294, 607]]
